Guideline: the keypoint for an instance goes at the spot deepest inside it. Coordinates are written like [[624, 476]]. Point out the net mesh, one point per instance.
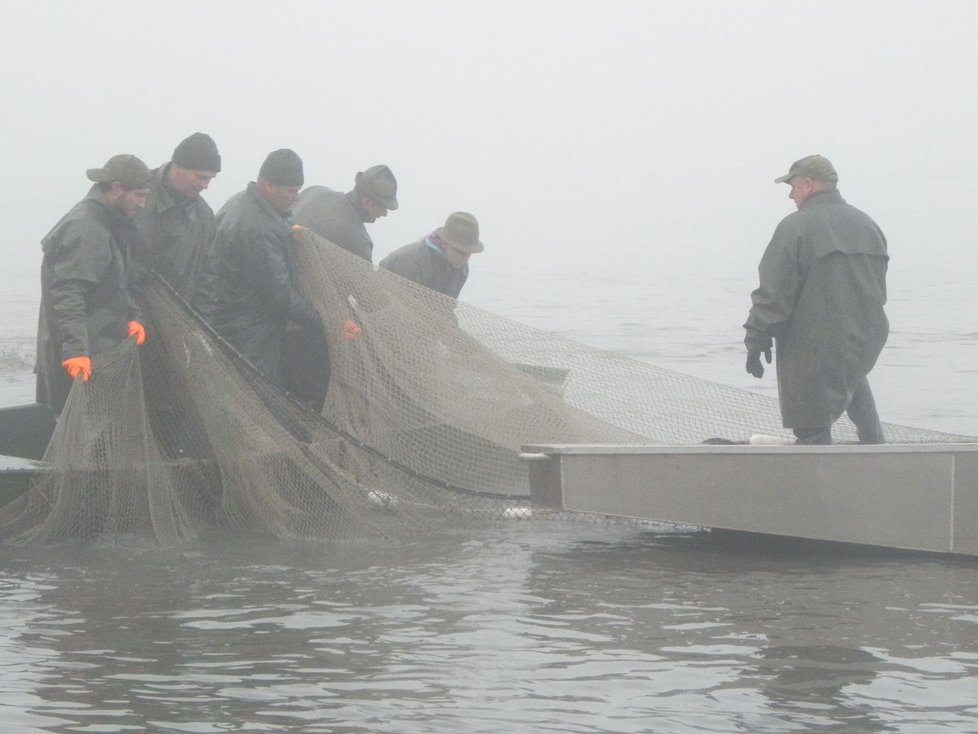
[[424, 419]]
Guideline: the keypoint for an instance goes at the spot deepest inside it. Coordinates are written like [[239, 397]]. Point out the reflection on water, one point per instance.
[[528, 627]]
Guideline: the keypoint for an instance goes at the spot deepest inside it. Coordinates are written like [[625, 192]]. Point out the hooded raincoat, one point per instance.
[[86, 305], [255, 297], [821, 297]]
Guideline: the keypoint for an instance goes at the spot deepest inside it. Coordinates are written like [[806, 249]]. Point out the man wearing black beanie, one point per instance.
[[177, 224], [255, 297]]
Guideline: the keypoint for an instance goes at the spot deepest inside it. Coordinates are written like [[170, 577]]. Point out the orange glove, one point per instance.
[[297, 228], [137, 330], [75, 366], [351, 330]]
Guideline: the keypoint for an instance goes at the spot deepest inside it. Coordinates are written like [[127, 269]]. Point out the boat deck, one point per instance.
[[914, 497]]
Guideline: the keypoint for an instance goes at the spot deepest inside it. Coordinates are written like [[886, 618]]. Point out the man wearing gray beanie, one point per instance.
[[255, 299], [177, 224]]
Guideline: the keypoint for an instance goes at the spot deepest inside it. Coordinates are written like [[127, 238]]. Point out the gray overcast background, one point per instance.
[[583, 135], [639, 125]]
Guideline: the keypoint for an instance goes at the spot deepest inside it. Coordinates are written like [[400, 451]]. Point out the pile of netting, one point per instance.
[[425, 416]]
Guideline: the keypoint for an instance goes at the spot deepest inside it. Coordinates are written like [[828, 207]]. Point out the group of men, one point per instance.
[[236, 268], [820, 299]]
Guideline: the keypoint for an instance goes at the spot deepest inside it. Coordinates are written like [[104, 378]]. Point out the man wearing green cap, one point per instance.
[[439, 261], [86, 303], [255, 299], [820, 300], [340, 217], [177, 224]]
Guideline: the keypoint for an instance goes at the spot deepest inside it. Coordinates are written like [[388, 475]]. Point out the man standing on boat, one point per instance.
[[439, 261], [340, 217], [86, 304], [177, 224], [821, 297], [255, 296]]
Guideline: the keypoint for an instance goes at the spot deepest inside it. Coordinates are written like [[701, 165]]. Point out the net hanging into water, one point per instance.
[[424, 419]]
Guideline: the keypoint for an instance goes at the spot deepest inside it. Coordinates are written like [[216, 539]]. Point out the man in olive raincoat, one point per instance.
[[821, 297], [340, 217], [86, 300], [439, 261], [177, 224], [255, 296]]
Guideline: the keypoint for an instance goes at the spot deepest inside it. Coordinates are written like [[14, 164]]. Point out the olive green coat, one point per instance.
[[336, 217], [425, 264], [821, 297], [86, 302], [177, 235]]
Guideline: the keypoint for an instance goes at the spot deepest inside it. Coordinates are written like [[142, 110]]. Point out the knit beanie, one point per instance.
[[198, 153], [283, 168]]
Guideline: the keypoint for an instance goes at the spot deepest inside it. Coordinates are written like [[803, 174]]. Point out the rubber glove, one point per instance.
[[351, 330], [137, 330], [75, 366], [754, 366]]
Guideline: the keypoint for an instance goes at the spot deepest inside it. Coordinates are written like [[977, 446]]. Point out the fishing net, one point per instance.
[[424, 418]]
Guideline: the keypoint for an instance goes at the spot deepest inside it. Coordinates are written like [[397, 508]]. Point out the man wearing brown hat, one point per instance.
[[821, 297], [439, 261], [86, 303], [340, 217], [255, 299], [177, 224]]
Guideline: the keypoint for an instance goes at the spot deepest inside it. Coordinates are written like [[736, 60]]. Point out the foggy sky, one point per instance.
[[638, 140], [637, 125]]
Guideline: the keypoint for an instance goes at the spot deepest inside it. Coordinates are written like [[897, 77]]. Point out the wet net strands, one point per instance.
[[422, 427]]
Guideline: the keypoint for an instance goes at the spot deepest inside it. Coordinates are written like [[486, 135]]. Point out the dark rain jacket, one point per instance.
[[426, 264], [86, 304], [335, 216], [255, 297], [821, 297], [177, 233]]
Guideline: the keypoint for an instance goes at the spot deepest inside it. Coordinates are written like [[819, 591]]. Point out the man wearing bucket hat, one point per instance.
[[820, 300], [86, 303], [177, 224], [340, 217], [255, 298], [439, 261]]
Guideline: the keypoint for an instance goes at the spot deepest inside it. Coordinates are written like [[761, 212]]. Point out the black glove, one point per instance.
[[754, 366]]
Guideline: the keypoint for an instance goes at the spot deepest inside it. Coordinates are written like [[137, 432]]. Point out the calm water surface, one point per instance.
[[530, 626]]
